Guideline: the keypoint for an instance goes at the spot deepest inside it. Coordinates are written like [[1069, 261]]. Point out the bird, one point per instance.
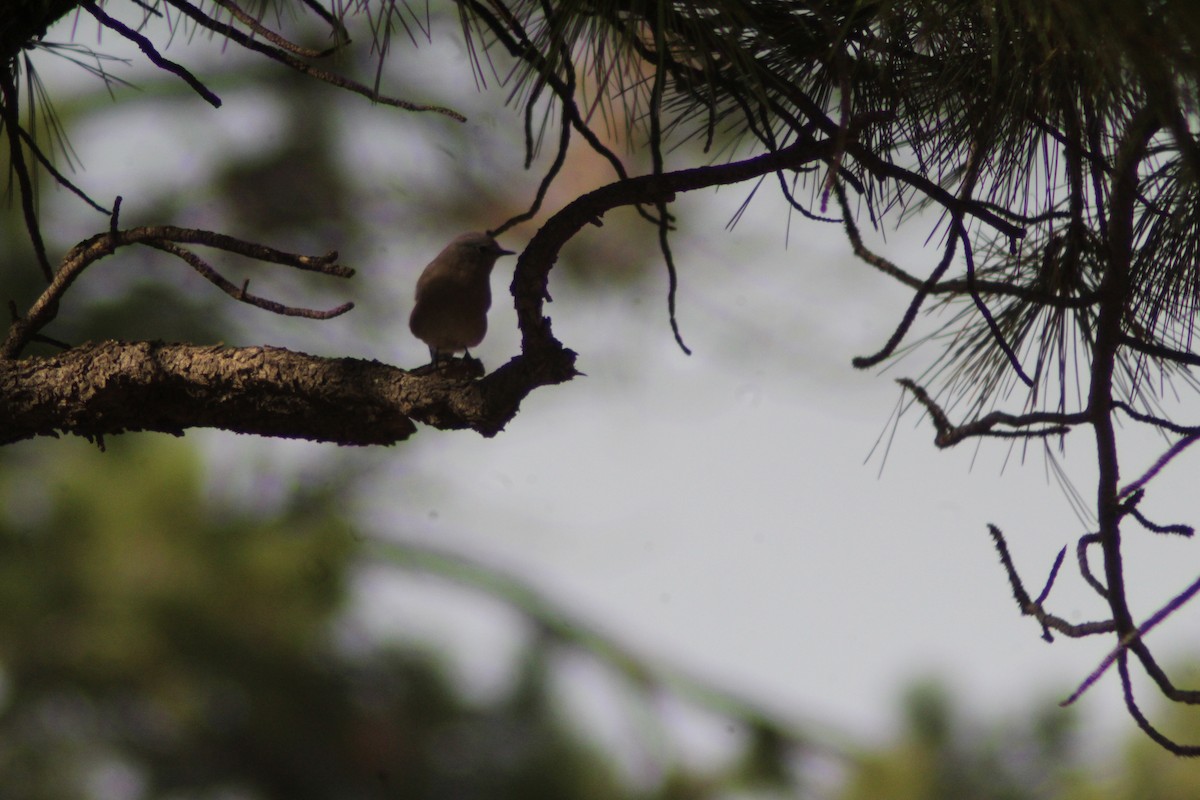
[[453, 296]]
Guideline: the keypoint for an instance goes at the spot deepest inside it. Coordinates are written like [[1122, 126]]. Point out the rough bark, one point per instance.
[[110, 387]]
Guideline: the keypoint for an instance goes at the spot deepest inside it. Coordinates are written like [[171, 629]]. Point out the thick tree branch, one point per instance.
[[544, 361], [531, 278], [106, 388]]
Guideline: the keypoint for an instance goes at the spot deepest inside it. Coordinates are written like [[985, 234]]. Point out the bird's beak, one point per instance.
[[500, 251]]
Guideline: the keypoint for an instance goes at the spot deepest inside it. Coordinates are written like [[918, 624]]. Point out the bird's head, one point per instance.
[[477, 248]]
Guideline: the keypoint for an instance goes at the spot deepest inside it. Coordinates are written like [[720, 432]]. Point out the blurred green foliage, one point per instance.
[[157, 645]]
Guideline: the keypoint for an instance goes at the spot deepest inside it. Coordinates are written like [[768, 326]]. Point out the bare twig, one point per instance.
[[61, 179], [1178, 529], [334, 23], [239, 293], [147, 47], [560, 158], [1160, 351], [1058, 560], [303, 67], [981, 306], [1034, 609], [270, 35], [164, 237], [949, 434], [1133, 636], [914, 306], [656, 159], [1081, 547], [1168, 744], [1186, 431], [9, 110]]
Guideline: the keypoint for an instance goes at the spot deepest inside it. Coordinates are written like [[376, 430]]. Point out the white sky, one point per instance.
[[715, 512]]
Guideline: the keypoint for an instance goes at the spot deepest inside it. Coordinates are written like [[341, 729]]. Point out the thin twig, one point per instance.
[[270, 35], [1134, 635], [949, 434], [9, 109], [1164, 741], [981, 306], [147, 47], [1150, 419], [87, 252], [304, 67], [61, 179], [664, 218], [1029, 608], [239, 293], [339, 29], [1081, 547], [914, 305], [1058, 560], [560, 158], [522, 48], [1178, 528]]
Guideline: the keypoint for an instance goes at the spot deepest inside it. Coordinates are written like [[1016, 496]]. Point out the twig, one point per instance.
[[104, 244], [656, 158], [9, 109], [239, 293], [949, 434], [1058, 560], [270, 35], [560, 158], [336, 24], [1186, 431], [910, 314], [1179, 528], [522, 48], [1034, 609], [147, 47], [304, 67], [62, 180], [961, 231], [1086, 571], [1166, 458], [1134, 635], [1164, 741]]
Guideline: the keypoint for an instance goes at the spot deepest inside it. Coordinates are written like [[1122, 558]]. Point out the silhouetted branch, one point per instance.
[[1058, 560], [167, 238], [1161, 351], [973, 290], [1085, 541], [949, 434], [61, 179], [10, 111], [1034, 609], [239, 293], [273, 37], [147, 47], [301, 66], [1136, 635], [106, 388]]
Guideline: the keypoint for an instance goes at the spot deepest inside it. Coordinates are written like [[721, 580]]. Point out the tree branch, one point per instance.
[[151, 52], [949, 434], [165, 237], [107, 388], [301, 66]]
